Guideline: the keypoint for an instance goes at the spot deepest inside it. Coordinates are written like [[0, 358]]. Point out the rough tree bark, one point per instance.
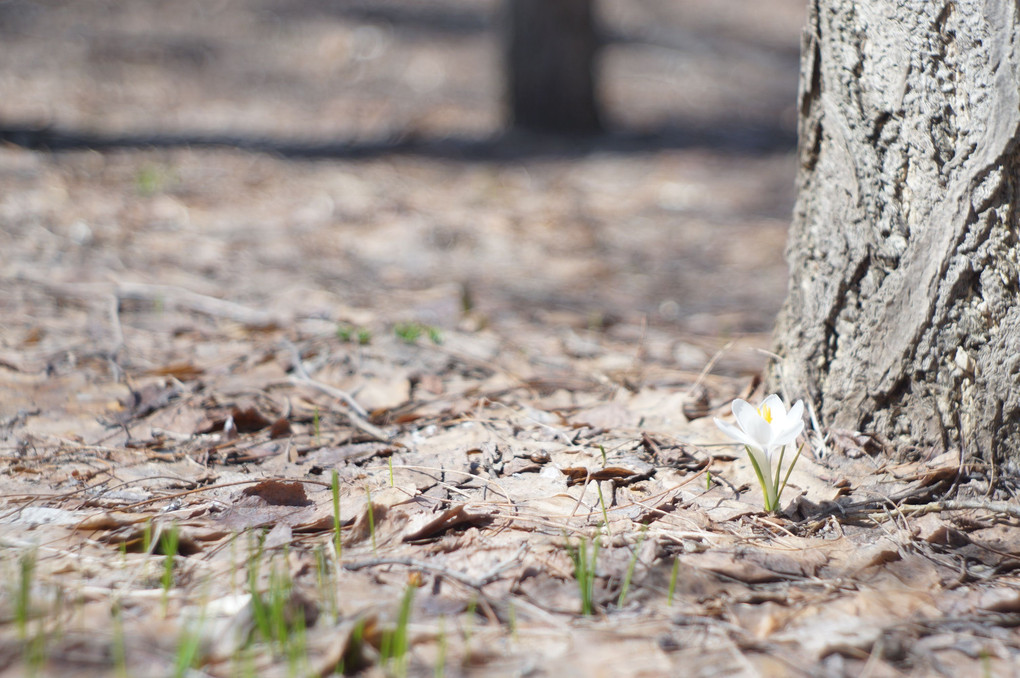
[[550, 50], [902, 316]]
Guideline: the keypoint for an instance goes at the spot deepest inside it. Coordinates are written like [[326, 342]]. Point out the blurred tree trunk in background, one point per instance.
[[550, 49], [903, 315]]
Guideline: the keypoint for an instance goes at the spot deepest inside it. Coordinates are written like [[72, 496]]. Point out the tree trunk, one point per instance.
[[550, 51], [902, 317]]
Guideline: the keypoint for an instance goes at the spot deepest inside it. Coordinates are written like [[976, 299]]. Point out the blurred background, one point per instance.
[[314, 154], [329, 70]]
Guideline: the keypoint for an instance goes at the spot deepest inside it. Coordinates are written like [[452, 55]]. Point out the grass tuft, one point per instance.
[[395, 643], [584, 572], [350, 333], [409, 333]]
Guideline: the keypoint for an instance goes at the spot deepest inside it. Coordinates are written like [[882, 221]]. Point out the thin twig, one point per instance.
[[1003, 507], [865, 508], [170, 295], [206, 488], [355, 413], [823, 451], [304, 378], [708, 367]]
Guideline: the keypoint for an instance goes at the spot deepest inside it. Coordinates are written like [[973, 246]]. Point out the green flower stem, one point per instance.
[[790, 469], [761, 480]]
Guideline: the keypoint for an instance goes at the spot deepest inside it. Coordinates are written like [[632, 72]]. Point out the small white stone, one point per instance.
[[963, 360]]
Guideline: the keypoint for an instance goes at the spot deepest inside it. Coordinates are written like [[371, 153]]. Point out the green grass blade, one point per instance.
[[630, 568], [338, 545], [789, 471], [672, 580]]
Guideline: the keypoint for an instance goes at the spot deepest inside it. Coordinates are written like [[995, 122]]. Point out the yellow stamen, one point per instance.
[[765, 413]]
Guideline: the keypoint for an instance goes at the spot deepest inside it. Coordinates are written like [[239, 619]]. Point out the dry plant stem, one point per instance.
[[118, 331], [567, 440], [168, 295], [254, 481], [486, 481], [1003, 507], [866, 508], [823, 451], [551, 527], [355, 413], [708, 367], [179, 297], [304, 378], [479, 362]]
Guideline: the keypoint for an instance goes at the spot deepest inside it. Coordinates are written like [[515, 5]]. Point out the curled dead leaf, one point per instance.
[[625, 472], [427, 526], [110, 521]]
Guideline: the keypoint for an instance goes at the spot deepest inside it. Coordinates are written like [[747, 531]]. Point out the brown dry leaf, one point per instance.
[[280, 535], [872, 556], [724, 510], [383, 520], [110, 521], [851, 624], [238, 420], [148, 399], [182, 371], [31, 517], [320, 522], [279, 493], [999, 599], [385, 391], [249, 419], [425, 526], [244, 517], [191, 538], [734, 565], [934, 529], [613, 415], [257, 453], [431, 383], [646, 508], [558, 505], [280, 429], [996, 546], [623, 472]]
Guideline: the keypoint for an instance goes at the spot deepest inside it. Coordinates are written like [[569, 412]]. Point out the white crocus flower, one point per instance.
[[763, 431]]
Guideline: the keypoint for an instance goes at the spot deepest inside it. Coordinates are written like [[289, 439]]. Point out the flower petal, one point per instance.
[[741, 407], [735, 433], [752, 422], [776, 405], [797, 411], [791, 426]]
